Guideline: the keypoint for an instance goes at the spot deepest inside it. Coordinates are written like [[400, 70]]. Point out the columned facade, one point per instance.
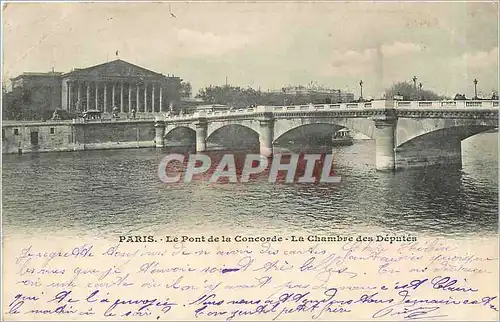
[[122, 95], [119, 85]]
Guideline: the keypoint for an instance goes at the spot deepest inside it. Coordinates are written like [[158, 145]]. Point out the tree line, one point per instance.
[[240, 97]]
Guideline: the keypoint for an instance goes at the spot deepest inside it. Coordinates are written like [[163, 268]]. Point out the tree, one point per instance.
[[411, 93], [186, 89], [13, 103], [230, 95], [240, 97]]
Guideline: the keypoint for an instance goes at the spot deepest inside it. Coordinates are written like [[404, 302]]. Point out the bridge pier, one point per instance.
[[266, 131], [159, 133], [385, 152], [201, 135]]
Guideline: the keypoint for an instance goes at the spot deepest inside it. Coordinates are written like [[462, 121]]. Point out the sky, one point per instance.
[[265, 44]]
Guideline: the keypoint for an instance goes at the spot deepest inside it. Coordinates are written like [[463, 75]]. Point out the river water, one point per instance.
[[118, 192]]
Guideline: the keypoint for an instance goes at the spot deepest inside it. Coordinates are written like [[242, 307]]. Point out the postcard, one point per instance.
[[250, 161]]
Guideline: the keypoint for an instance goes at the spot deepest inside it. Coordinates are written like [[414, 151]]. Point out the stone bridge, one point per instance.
[[407, 134]]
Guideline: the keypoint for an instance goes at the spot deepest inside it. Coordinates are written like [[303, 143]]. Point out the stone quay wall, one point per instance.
[[53, 136]]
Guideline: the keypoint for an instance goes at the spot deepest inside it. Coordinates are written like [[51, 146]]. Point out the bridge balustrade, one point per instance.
[[380, 104], [448, 104], [474, 104], [425, 104]]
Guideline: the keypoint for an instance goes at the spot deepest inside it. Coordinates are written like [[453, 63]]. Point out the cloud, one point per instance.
[[264, 43], [358, 62], [348, 63], [197, 43], [480, 59], [400, 48], [352, 57]]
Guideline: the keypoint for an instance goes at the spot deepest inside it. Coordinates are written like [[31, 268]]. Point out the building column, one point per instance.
[[153, 98], [113, 93], [129, 97], [137, 103], [161, 99], [266, 133], [87, 103], [121, 97], [145, 97], [159, 133], [385, 154], [105, 107], [96, 95], [79, 98], [201, 135], [70, 87]]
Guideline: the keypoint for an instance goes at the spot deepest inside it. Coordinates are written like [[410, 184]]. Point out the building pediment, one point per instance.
[[116, 68]]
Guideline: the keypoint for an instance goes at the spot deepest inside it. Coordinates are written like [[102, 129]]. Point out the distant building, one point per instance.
[[113, 85], [318, 94], [189, 104], [42, 92], [212, 108]]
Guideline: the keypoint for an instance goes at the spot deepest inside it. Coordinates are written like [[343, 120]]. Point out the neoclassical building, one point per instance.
[[104, 87]]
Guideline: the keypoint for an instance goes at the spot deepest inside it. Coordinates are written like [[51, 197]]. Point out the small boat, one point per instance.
[[342, 137]]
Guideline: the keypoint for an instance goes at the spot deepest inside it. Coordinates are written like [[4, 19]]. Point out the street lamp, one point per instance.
[[419, 90], [475, 88], [361, 88]]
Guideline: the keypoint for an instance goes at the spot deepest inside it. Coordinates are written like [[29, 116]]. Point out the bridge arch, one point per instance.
[[233, 135], [213, 127], [179, 135], [318, 130], [409, 129], [286, 126], [440, 136], [440, 147]]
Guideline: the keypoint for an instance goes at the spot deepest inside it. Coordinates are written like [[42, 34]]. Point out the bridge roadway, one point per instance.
[[407, 133]]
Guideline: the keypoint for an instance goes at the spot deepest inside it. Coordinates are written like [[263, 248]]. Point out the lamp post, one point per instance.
[[361, 90], [475, 88], [414, 79], [419, 90]]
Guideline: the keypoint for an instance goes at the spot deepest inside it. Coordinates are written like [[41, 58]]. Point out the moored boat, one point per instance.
[[342, 137]]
